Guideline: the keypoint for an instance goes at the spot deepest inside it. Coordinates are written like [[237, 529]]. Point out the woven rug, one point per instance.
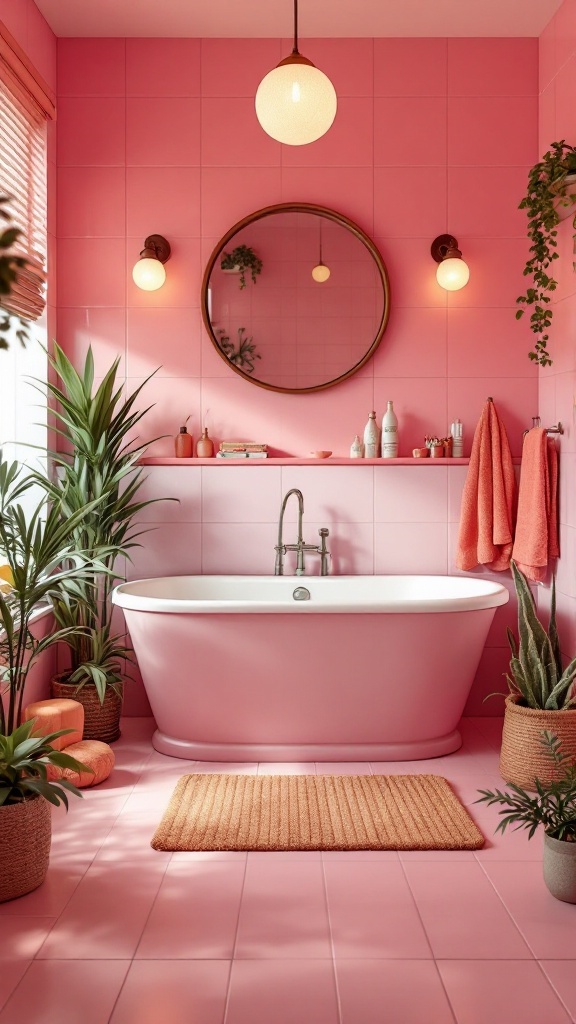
[[315, 812]]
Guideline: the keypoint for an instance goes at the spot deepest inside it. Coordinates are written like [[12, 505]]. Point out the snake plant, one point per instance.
[[537, 679]]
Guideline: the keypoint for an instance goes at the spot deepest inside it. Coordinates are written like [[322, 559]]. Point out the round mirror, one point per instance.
[[295, 298]]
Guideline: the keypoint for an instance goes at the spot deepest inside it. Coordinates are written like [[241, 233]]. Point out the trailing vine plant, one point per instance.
[[547, 190], [242, 258]]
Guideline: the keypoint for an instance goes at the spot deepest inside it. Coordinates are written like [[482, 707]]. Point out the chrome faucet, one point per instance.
[[299, 547]]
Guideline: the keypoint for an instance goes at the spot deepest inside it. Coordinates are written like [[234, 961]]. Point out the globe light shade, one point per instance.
[[149, 274], [452, 274], [296, 102], [321, 273]]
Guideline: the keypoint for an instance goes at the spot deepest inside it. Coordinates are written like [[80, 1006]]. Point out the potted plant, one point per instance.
[[98, 466], [554, 808], [241, 259], [541, 693], [551, 188], [10, 264], [243, 357], [39, 560]]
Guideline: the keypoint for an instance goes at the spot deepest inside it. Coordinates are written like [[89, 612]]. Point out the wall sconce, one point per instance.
[[296, 102], [453, 272], [320, 272], [148, 272]]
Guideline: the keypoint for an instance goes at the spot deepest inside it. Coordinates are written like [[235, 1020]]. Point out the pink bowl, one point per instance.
[[320, 455]]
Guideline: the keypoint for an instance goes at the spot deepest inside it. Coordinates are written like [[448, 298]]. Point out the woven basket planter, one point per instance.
[[101, 721], [25, 837], [522, 757]]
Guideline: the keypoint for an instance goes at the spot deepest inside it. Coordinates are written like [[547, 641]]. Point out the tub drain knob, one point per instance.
[[301, 594]]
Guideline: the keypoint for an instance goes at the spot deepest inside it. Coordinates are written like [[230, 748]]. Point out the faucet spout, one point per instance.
[[280, 546]]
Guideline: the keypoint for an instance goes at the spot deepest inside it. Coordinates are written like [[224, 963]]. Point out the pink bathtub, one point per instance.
[[285, 668]]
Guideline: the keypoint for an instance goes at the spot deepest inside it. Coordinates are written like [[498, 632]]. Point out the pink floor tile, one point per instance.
[[21, 937], [547, 924], [11, 973], [372, 911], [175, 992], [399, 991], [282, 992], [563, 979], [66, 992], [196, 912], [106, 914], [283, 911], [500, 992], [461, 913]]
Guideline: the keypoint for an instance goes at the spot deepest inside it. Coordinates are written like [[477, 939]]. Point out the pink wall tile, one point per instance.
[[489, 131], [399, 490], [92, 272], [346, 189], [162, 131], [231, 135], [396, 215], [245, 64], [492, 67], [147, 330], [91, 67], [547, 54], [41, 45], [347, 62], [410, 67], [91, 131], [410, 132], [328, 497], [224, 203], [169, 549], [163, 67], [412, 270], [102, 328], [496, 272], [478, 338], [184, 490], [228, 499], [414, 336], [91, 202], [349, 143], [564, 81], [408, 548], [546, 118], [154, 202], [497, 192], [565, 33], [239, 548]]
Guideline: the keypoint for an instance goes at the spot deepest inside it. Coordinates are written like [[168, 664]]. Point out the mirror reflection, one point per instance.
[[295, 298]]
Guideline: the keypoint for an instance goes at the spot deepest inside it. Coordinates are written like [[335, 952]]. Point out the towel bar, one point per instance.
[[558, 429]]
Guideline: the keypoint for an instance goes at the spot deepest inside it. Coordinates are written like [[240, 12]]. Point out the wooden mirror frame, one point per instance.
[[320, 211]]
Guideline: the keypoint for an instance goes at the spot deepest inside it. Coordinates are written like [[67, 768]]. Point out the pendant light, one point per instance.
[[296, 102], [321, 272]]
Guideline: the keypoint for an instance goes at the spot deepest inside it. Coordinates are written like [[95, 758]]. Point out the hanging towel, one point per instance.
[[536, 540], [488, 498]]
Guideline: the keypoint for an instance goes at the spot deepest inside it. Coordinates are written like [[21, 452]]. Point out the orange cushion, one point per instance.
[[55, 714], [93, 753]]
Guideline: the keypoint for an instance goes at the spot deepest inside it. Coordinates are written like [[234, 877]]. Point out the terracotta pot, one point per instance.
[[522, 757], [101, 720], [421, 453], [569, 189], [559, 865], [25, 838], [437, 451]]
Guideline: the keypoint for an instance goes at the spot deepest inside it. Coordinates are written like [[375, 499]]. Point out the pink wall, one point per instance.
[[432, 135], [557, 384]]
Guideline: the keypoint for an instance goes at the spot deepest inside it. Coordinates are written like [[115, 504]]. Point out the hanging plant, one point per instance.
[[241, 259], [551, 185]]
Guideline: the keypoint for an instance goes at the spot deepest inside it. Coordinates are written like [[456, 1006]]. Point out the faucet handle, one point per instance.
[[323, 531]]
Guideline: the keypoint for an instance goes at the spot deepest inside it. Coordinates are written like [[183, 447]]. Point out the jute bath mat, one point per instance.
[[315, 812]]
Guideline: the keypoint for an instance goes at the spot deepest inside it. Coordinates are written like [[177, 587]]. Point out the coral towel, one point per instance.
[[488, 499], [536, 540]]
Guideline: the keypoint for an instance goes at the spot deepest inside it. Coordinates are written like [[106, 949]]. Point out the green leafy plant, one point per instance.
[[96, 427], [42, 560], [244, 355], [546, 192], [9, 266], [242, 258], [24, 761], [537, 679], [553, 806]]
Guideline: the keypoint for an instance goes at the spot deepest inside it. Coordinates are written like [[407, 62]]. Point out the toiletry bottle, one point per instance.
[[371, 438], [390, 433], [357, 448], [183, 443], [457, 440], [205, 446]]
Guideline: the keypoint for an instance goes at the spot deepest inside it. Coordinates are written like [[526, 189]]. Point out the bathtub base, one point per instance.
[[289, 752]]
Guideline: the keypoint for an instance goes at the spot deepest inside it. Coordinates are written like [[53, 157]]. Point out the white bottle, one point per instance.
[[457, 440], [390, 433], [371, 438], [357, 448]]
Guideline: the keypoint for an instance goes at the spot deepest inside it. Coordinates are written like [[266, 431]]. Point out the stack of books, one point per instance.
[[242, 450]]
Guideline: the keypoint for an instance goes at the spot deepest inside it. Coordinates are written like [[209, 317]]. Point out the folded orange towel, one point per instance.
[[536, 540], [488, 498]]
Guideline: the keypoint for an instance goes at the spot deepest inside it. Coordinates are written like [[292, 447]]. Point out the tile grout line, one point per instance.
[[235, 944]]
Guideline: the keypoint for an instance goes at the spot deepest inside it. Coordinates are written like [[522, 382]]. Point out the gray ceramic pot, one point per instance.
[[560, 868]]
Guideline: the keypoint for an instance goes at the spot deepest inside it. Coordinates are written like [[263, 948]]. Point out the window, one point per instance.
[[24, 108]]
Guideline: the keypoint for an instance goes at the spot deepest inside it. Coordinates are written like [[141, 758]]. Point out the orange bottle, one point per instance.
[[184, 443], [205, 446]]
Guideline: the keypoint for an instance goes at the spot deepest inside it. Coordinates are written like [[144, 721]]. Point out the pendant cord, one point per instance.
[[295, 49]]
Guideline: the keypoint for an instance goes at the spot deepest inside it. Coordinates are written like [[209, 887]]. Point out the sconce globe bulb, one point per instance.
[[149, 274], [296, 102], [452, 274], [321, 273]]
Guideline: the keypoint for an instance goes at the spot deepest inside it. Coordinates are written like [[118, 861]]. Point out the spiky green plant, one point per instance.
[[40, 551], [553, 807], [24, 761], [536, 678], [96, 426]]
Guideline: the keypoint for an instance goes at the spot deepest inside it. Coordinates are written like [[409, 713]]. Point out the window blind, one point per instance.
[[23, 180]]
